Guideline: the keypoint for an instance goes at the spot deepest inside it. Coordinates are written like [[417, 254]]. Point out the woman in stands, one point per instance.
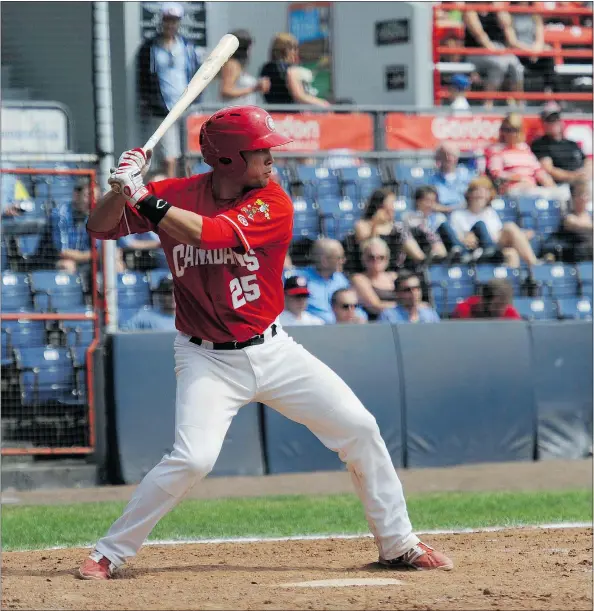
[[514, 168], [375, 285], [577, 225], [283, 71], [238, 88], [479, 226], [378, 221]]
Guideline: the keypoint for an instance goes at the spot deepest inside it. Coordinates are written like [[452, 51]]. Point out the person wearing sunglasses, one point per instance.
[[410, 306], [512, 165], [345, 307], [375, 285], [296, 296]]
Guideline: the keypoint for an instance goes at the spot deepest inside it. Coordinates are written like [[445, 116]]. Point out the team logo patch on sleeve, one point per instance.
[[258, 207]]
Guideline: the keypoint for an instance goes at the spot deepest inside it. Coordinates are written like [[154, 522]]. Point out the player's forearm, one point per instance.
[[107, 213], [183, 225]]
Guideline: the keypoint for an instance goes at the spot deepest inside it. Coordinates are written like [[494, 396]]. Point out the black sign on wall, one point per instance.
[[392, 31], [396, 78], [193, 25]]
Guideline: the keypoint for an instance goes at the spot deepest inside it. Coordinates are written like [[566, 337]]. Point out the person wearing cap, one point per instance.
[[296, 296], [166, 64], [459, 85], [563, 159], [159, 318]]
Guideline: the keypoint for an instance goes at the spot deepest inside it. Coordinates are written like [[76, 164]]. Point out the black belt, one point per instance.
[[235, 345]]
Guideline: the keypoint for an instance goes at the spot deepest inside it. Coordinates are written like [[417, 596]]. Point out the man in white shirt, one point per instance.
[[296, 295]]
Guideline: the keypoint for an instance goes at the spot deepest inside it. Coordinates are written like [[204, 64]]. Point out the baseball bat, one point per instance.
[[204, 75]]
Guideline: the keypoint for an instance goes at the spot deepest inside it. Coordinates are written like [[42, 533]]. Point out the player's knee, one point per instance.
[[199, 465], [365, 426]]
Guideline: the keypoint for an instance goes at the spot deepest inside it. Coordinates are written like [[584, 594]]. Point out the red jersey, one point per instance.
[[470, 308], [223, 294]]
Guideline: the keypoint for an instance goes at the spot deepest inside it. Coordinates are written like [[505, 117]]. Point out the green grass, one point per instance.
[[41, 526]]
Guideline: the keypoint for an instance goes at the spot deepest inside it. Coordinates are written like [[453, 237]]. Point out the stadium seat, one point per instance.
[[51, 186], [77, 332], [47, 375], [486, 272], [156, 275], [555, 280], [507, 209], [56, 291], [133, 290], [7, 352], [402, 205], [4, 260], [575, 308], [16, 292], [338, 216], [410, 177], [317, 182], [201, 167], [126, 313], [306, 220], [283, 176], [542, 215], [24, 332], [358, 183], [535, 308], [584, 271], [79, 363], [449, 286]]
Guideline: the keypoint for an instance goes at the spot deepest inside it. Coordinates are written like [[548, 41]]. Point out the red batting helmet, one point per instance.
[[234, 129]]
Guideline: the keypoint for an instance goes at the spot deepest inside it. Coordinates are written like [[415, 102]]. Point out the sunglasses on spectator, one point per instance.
[[510, 130], [347, 306], [376, 257]]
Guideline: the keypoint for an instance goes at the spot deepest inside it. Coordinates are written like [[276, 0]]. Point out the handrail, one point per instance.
[[566, 53], [521, 95], [541, 8]]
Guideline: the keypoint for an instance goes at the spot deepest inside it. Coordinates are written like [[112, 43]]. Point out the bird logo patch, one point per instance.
[[258, 207]]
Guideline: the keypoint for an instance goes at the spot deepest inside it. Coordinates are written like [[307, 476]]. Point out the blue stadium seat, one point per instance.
[[540, 214], [126, 313], [317, 182], [156, 275], [16, 292], [306, 220], [555, 280], [402, 206], [133, 290], [7, 352], [358, 183], [79, 363], [584, 271], [4, 260], [535, 308], [24, 332], [201, 167], [54, 187], [507, 209], [411, 177], [47, 375], [283, 177], [338, 216], [575, 308], [78, 332], [486, 272], [27, 245], [450, 285], [56, 291]]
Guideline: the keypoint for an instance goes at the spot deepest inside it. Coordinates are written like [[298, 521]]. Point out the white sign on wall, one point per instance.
[[34, 130]]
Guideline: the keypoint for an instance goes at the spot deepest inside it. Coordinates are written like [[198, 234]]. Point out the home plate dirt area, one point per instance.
[[515, 569]]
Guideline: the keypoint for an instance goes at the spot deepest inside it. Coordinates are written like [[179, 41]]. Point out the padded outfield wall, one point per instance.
[[455, 393]]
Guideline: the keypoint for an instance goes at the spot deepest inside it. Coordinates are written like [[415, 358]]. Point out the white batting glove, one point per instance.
[[127, 178]]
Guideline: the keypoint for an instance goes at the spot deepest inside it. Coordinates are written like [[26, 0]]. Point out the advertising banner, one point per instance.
[[34, 130], [309, 131], [468, 133]]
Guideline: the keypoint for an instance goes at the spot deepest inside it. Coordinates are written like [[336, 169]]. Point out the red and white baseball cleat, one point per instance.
[[421, 557], [100, 569]]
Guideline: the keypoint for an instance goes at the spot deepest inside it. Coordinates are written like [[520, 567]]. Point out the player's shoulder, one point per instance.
[[171, 187], [272, 195]]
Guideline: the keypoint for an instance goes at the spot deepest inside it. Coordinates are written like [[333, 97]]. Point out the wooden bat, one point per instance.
[[204, 75]]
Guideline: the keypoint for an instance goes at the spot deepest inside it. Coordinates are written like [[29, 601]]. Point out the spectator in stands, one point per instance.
[[479, 225], [526, 32], [424, 224], [286, 84], [166, 64], [495, 301], [451, 180], [410, 305], [577, 225], [149, 241], [15, 197], [159, 318], [378, 221], [563, 159], [375, 285], [345, 307], [238, 88], [296, 296], [488, 30], [459, 85], [324, 277], [513, 166]]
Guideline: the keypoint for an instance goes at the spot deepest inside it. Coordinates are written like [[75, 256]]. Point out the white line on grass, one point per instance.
[[340, 536]]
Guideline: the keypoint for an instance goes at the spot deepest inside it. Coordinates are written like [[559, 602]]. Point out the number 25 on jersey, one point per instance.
[[243, 289]]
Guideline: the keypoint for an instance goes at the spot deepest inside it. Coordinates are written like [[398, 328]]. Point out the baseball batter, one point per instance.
[[225, 235]]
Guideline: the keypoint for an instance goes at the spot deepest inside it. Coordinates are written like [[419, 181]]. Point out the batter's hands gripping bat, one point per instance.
[[209, 69]]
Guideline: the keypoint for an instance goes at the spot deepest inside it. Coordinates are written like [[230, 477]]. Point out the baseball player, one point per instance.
[[225, 234]]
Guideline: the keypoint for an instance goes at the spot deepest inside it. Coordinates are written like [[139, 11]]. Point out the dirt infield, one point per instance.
[[520, 569]]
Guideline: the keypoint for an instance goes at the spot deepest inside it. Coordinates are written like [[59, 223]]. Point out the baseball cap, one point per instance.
[[460, 81], [551, 112], [296, 285], [172, 9]]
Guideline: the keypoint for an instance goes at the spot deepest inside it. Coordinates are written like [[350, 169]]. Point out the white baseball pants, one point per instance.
[[212, 385]]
